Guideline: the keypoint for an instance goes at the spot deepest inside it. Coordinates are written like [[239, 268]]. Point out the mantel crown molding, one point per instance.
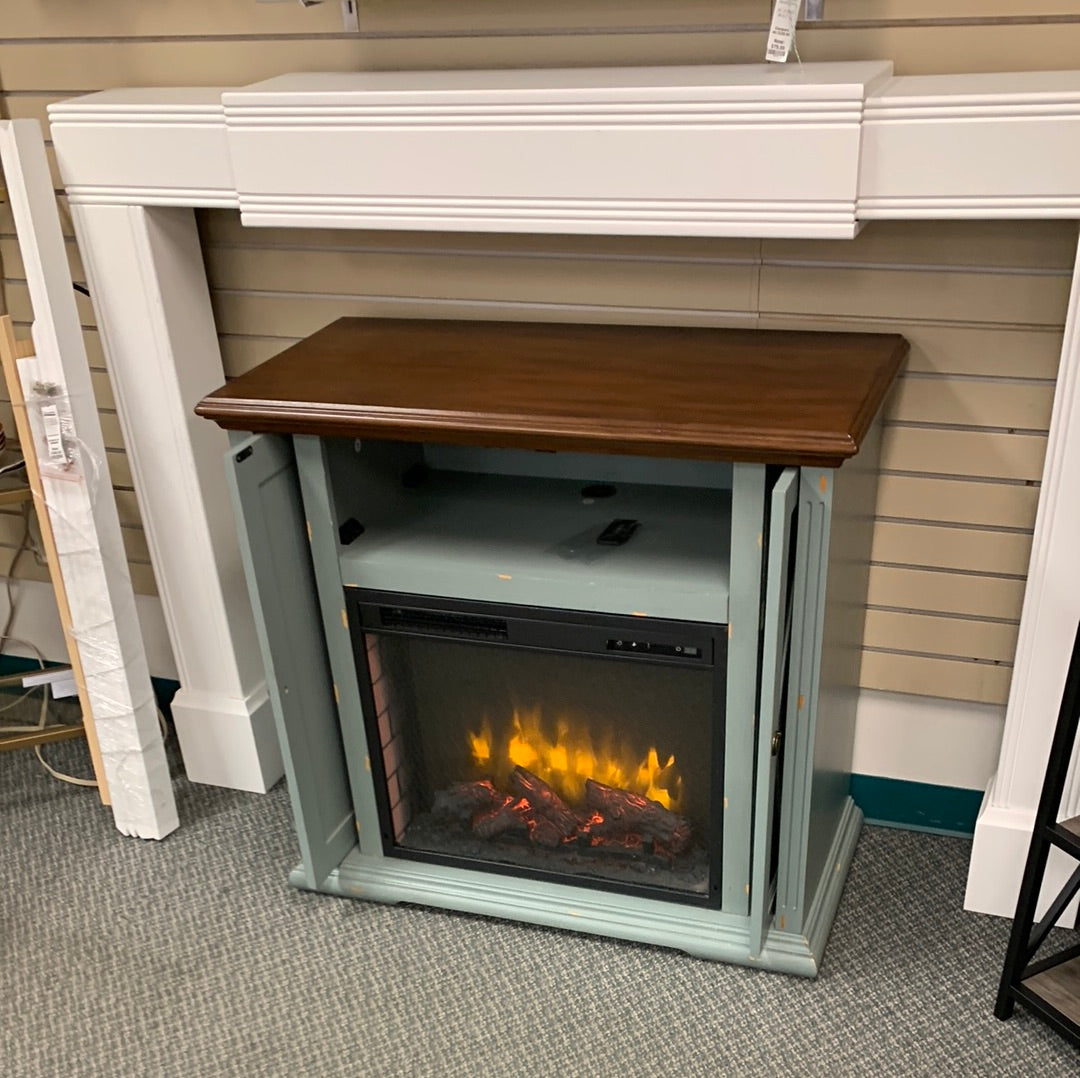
[[806, 151], [703, 150], [739, 150]]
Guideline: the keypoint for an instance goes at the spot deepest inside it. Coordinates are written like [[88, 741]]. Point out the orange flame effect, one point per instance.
[[565, 763]]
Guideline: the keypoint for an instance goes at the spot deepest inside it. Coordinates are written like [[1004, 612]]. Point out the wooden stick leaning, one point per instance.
[[11, 351]]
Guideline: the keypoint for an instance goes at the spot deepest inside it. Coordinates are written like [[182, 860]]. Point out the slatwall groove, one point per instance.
[[965, 428], [966, 525], [934, 655], [964, 570], [977, 379], [926, 267], [946, 615]]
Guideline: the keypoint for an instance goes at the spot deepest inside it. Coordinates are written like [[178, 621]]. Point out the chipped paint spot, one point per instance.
[[638, 613], [802, 702], [747, 888], [358, 827], [783, 922], [309, 531], [729, 630], [504, 576], [337, 695], [367, 763], [824, 484], [344, 618], [725, 802]]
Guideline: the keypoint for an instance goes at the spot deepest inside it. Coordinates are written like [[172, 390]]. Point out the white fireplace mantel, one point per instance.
[[808, 151]]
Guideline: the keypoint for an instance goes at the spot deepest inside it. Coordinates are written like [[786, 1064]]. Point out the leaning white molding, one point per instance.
[[628, 151]]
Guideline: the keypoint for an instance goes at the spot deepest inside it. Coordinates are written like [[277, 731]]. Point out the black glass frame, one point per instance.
[[609, 638]]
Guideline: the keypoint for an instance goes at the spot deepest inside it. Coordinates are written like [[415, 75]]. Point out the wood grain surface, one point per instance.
[[756, 395]]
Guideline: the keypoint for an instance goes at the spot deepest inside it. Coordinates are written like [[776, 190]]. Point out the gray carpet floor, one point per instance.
[[193, 956]]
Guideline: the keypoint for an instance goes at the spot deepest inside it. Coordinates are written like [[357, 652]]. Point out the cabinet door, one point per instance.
[[774, 666], [280, 577]]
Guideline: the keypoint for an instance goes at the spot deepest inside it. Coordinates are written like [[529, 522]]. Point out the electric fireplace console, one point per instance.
[[562, 623]]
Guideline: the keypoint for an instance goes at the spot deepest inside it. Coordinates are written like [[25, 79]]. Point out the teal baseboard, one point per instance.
[[916, 806], [164, 688]]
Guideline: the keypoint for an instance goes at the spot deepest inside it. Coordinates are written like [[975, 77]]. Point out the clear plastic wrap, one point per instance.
[[92, 564]]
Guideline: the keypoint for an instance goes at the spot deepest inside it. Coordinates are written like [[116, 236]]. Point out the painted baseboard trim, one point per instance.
[[917, 806]]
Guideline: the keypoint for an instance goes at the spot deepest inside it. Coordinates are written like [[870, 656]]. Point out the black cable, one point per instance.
[[81, 288]]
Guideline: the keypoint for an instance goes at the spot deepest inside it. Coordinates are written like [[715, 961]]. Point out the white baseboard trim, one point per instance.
[[228, 742], [998, 855]]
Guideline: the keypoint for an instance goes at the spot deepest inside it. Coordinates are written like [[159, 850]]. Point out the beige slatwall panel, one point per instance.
[[965, 438], [982, 303], [967, 424]]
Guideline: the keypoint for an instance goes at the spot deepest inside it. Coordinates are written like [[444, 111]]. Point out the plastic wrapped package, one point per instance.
[[102, 609]]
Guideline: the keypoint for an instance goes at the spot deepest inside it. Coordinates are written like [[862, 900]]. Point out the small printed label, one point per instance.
[[54, 435], [782, 31]]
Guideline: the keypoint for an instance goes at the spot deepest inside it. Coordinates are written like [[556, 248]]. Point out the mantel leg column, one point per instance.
[[1047, 627], [149, 289]]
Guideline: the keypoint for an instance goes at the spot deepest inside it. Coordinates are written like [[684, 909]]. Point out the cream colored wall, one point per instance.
[[982, 304]]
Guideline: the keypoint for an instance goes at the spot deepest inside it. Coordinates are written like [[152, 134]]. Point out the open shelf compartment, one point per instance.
[[531, 540]]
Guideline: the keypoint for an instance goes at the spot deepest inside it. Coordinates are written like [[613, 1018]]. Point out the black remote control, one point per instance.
[[618, 532]]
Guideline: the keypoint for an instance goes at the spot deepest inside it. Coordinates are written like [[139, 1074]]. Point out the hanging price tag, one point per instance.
[[782, 31], [54, 437]]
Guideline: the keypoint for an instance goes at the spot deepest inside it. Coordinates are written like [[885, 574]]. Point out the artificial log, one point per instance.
[[461, 801], [510, 814], [544, 801], [622, 812], [543, 832]]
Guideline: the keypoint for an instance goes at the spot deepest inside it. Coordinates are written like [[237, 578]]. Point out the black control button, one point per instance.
[[618, 532]]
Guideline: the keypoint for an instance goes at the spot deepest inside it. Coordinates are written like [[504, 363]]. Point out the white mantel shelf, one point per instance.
[[809, 151]]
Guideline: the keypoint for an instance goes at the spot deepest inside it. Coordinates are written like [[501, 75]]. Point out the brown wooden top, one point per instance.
[[759, 395]]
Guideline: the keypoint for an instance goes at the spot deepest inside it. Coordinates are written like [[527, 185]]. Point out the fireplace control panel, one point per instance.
[[649, 647]]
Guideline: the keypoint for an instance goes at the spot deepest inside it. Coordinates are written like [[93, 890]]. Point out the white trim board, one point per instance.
[[631, 151]]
